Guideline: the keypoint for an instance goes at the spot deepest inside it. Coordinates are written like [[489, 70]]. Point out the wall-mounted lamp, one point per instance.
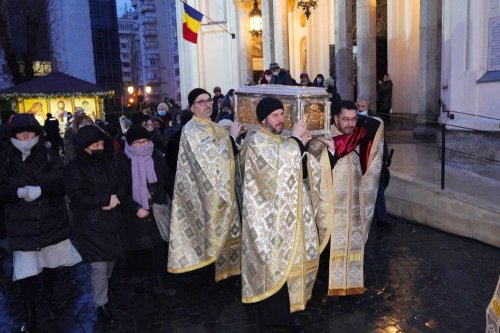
[[255, 20], [306, 5]]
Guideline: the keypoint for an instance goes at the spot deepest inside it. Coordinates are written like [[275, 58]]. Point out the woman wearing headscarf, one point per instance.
[[36, 217], [146, 179]]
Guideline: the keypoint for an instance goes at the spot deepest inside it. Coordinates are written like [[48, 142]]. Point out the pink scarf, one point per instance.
[[143, 172]]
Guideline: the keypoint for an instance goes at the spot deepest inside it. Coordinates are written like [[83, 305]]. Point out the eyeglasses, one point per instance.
[[204, 101]]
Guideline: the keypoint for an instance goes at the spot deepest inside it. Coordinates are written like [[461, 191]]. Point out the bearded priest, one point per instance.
[[279, 236]]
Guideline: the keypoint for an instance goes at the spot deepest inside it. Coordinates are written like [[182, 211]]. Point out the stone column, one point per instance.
[[281, 48], [267, 32], [244, 43], [430, 59], [366, 11], [343, 48]]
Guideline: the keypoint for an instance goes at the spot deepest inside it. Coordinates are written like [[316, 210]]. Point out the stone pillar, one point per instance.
[[343, 48], [430, 59], [267, 32], [366, 11], [244, 43], [281, 48]]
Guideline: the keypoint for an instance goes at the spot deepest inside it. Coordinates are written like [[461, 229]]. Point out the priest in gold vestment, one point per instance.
[[279, 236], [355, 170], [205, 225]]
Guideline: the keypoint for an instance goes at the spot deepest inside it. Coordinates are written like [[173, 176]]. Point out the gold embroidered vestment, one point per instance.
[[279, 236], [205, 223]]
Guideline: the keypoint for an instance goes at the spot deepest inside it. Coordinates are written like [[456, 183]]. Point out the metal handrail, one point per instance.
[[451, 112], [443, 138]]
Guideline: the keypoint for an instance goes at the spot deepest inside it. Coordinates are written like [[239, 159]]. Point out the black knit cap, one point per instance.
[[136, 132], [195, 93], [88, 135], [266, 106], [24, 122]]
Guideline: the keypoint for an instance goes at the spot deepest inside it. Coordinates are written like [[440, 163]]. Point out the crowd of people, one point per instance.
[[187, 191]]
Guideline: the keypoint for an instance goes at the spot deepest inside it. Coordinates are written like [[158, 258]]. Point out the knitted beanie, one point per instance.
[[88, 135], [266, 106], [24, 122], [137, 132], [193, 94]]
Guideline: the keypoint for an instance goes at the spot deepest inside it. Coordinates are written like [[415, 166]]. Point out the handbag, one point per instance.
[[163, 215]]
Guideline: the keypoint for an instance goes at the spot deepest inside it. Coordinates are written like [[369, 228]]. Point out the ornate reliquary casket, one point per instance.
[[308, 103]]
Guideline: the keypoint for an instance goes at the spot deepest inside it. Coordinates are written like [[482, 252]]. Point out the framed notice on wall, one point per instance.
[[494, 44]]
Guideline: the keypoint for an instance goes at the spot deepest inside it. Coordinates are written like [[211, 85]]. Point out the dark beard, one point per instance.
[[275, 131]]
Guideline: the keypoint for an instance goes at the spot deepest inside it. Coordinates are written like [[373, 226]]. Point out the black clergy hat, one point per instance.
[[266, 106]]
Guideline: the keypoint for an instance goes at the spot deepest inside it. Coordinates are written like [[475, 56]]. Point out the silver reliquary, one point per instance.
[[311, 104]]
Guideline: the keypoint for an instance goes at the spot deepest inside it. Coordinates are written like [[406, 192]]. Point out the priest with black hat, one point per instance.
[[205, 219], [92, 187], [279, 236]]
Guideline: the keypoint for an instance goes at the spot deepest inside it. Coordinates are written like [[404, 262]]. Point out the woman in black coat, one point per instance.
[[92, 188], [146, 179], [36, 217]]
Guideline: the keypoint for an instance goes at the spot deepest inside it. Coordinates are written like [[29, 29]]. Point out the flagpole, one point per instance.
[[233, 36]]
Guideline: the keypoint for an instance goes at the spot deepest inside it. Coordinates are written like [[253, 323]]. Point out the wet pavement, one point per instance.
[[418, 279]]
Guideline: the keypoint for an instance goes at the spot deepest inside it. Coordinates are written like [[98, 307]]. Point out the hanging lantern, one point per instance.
[[307, 5], [256, 20]]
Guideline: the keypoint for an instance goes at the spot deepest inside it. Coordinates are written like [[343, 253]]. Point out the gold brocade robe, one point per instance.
[[205, 223], [493, 312], [279, 236], [352, 197]]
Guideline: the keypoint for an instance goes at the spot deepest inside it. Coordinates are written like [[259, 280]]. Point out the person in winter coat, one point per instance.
[[36, 217], [69, 135], [52, 135], [146, 180], [174, 140], [319, 81], [157, 137], [92, 188]]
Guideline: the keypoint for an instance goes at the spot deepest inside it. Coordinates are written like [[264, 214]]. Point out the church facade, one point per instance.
[[435, 51]]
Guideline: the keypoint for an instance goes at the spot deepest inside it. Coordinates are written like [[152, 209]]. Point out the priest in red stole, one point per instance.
[[351, 161]]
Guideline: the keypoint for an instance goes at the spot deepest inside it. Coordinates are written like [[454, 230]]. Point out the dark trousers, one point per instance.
[[152, 261], [275, 310], [380, 209]]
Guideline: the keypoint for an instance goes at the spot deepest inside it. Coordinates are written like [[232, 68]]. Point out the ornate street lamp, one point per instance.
[[306, 5], [147, 90], [256, 20], [130, 89]]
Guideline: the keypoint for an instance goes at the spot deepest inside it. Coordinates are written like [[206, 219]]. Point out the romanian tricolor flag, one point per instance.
[[191, 23]]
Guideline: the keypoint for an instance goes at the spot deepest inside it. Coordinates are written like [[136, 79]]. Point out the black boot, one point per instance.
[[28, 292], [29, 324], [104, 314]]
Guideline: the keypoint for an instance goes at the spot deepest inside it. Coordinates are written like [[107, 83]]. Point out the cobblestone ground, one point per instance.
[[418, 280]]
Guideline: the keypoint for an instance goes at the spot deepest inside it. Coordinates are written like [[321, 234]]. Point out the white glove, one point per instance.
[[22, 192], [34, 193]]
